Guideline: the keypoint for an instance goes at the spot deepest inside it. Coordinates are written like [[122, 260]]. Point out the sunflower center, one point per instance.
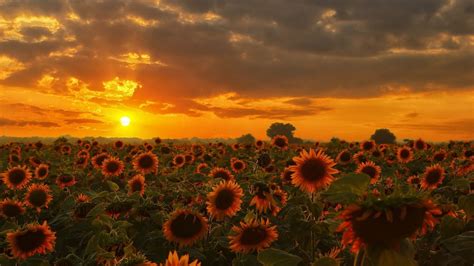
[[16, 176], [404, 154], [65, 178], [179, 160], [42, 171], [112, 167], [313, 169], [11, 210], [420, 145], [253, 236], [221, 174], [433, 176], [37, 198], [145, 162], [224, 199], [100, 159], [367, 146], [439, 157], [345, 157], [186, 226], [238, 165], [280, 142], [30, 240], [370, 171], [136, 186]]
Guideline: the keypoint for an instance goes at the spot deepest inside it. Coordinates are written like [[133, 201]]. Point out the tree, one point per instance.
[[383, 136], [246, 139], [281, 129]]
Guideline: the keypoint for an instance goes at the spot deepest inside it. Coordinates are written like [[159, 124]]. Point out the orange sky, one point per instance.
[[185, 70]]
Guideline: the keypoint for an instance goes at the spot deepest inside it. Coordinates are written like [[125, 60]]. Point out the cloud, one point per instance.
[[82, 121], [26, 123]]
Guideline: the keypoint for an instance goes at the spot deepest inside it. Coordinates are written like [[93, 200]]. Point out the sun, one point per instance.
[[125, 121]]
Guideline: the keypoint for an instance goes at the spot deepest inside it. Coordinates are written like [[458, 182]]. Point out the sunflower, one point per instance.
[[433, 177], [360, 157], [344, 157], [82, 198], [439, 156], [286, 175], [371, 169], [158, 140], [280, 141], [235, 146], [136, 184], [99, 159], [281, 198], [468, 153], [179, 160], [387, 224], [82, 162], [223, 173], [404, 154], [118, 144], [237, 165], [14, 159], [35, 162], [146, 163], [185, 227], [367, 145], [31, 240], [189, 158], [419, 144], [262, 197], [42, 171], [83, 153], [202, 168], [65, 180], [224, 200], [112, 167], [313, 170], [11, 208], [252, 236], [38, 196], [413, 180], [175, 260], [259, 144], [16, 177], [65, 149]]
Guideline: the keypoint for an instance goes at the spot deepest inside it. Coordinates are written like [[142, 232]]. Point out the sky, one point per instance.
[[186, 68]]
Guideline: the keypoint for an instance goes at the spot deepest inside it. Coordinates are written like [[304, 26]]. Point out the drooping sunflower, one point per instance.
[[99, 159], [175, 260], [420, 144], [367, 145], [313, 170], [185, 227], [38, 196], [237, 165], [112, 166], [344, 157], [262, 197], [386, 223], [432, 177], [224, 200], [252, 236], [179, 160], [42, 171], [223, 173], [136, 184], [16, 177], [146, 163], [404, 154], [280, 141], [65, 180], [31, 240], [371, 169], [10, 208]]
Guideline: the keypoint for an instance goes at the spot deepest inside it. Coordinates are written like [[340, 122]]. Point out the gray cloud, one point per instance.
[[25, 123]]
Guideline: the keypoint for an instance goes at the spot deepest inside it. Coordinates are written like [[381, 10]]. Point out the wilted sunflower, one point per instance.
[[136, 184], [33, 239], [16, 177], [313, 170], [223, 173], [112, 166], [99, 159], [252, 236], [224, 200], [65, 180], [420, 144], [237, 165], [280, 141], [146, 163], [42, 171], [179, 160], [11, 208], [344, 157], [38, 196], [371, 169], [185, 227], [404, 154], [175, 260], [386, 224], [367, 145], [433, 177]]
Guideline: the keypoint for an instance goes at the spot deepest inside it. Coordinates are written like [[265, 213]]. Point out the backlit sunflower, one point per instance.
[[11, 208], [280, 199], [313, 170], [175, 260], [432, 177], [420, 144], [185, 227], [262, 197], [414, 180], [344, 157], [404, 154], [179, 160], [65, 180], [439, 156], [189, 158], [386, 222], [82, 198], [118, 144], [280, 141], [38, 196], [221, 173], [259, 144], [286, 175], [99, 159], [202, 168], [136, 184], [112, 167], [224, 200], [360, 157], [367, 145], [252, 236], [34, 161], [146, 163], [31, 240], [371, 169], [16, 177], [42, 171], [237, 165]]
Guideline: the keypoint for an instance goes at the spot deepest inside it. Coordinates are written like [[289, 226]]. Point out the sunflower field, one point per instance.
[[262, 203]]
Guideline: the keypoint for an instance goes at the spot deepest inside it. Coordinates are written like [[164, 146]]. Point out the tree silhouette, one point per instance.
[[383, 136], [285, 130], [246, 139]]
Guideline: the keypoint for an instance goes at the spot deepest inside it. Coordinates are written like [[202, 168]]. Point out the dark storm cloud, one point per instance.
[[287, 48]]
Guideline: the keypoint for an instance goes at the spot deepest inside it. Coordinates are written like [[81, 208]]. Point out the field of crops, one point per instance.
[[264, 203]]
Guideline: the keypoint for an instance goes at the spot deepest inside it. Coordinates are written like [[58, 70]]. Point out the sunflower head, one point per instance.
[[118, 144], [432, 177], [136, 184], [38, 196], [237, 165], [31, 240], [252, 236], [99, 159], [185, 227], [179, 160], [367, 145], [146, 163], [175, 260], [439, 156], [11, 208], [112, 167], [420, 144], [344, 157], [65, 180], [221, 173], [42, 171], [16, 177], [224, 200], [404, 154], [280, 141], [371, 169], [259, 144]]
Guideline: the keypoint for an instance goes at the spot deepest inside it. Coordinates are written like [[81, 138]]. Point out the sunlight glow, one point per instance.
[[125, 121]]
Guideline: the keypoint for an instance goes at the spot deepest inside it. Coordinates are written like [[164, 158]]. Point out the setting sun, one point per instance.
[[125, 121]]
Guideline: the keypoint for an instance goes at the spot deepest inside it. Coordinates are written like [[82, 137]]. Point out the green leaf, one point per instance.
[[326, 261], [276, 257], [98, 209], [389, 257], [450, 226], [347, 188], [467, 204], [113, 186], [461, 245]]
